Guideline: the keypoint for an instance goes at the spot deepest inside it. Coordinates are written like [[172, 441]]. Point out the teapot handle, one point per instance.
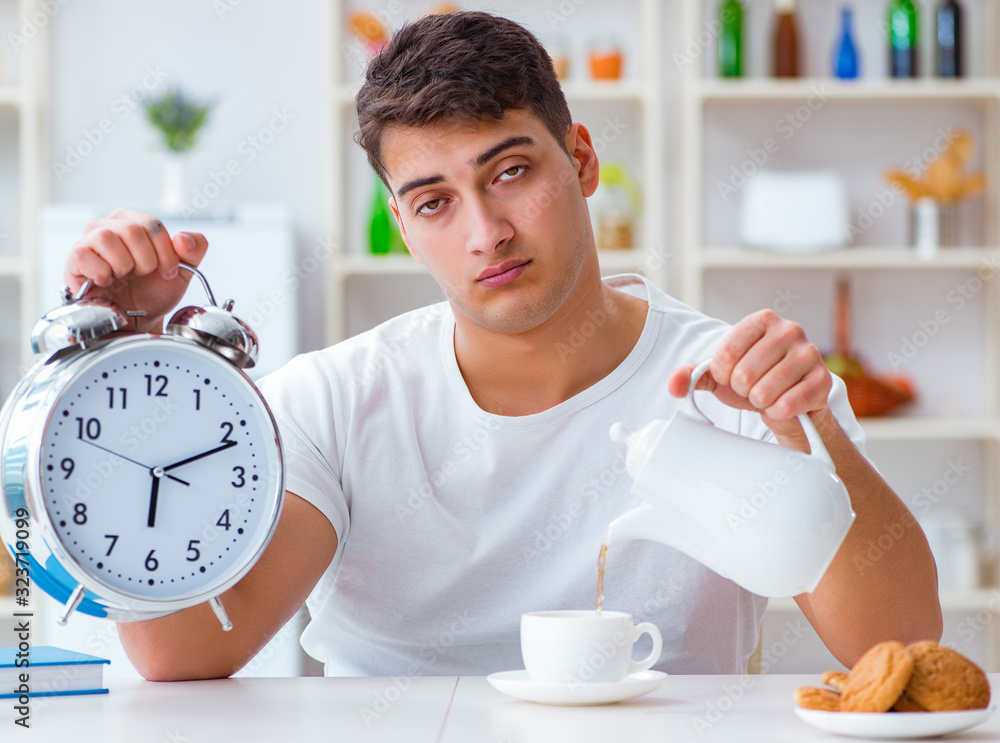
[[816, 446]]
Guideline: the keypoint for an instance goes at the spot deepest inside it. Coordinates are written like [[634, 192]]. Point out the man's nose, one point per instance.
[[488, 227]]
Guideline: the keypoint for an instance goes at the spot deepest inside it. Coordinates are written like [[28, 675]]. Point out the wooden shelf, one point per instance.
[[850, 258], [964, 599], [398, 264], [379, 265], [917, 428], [10, 97], [11, 268], [832, 90], [581, 92]]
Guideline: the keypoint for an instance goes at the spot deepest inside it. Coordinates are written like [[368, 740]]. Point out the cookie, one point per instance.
[[809, 697], [836, 679], [943, 679], [878, 678]]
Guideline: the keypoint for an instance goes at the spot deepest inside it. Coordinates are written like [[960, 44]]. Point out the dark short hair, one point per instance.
[[457, 66]]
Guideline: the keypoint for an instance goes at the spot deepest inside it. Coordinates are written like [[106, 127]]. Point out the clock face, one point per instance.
[[160, 470]]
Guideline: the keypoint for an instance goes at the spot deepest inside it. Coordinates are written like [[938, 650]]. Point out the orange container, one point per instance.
[[605, 64]]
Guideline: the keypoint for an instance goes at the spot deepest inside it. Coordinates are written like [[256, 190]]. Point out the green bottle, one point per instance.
[[903, 38], [383, 233], [731, 39]]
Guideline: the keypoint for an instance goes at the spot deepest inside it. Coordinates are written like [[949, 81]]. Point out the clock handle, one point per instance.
[[220, 611]]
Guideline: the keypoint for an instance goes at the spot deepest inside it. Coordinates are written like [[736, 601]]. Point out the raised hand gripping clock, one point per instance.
[[141, 473]]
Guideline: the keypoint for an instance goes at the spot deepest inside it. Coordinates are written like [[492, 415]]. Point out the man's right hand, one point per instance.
[[133, 261]]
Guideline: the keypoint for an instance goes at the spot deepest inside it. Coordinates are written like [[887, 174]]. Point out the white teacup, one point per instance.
[[578, 647]]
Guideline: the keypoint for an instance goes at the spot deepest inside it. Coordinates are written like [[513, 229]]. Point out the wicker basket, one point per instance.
[[870, 395]]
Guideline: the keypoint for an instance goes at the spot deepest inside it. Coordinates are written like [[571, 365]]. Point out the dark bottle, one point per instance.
[[949, 39], [731, 39], [845, 61], [903, 38], [786, 39]]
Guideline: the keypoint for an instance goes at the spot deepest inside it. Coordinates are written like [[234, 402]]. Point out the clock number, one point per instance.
[[80, 513], [151, 562], [197, 399], [114, 540], [67, 467], [229, 432], [224, 520], [111, 397], [92, 429], [240, 480], [192, 548], [161, 380]]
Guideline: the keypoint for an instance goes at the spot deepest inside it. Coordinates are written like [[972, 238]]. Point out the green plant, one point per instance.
[[178, 118]]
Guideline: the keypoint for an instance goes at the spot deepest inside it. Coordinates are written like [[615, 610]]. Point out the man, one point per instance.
[[451, 468]]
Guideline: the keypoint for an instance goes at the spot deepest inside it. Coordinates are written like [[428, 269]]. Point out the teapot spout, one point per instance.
[[647, 522]]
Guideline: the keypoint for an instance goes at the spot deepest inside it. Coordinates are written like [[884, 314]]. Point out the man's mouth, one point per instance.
[[502, 272]]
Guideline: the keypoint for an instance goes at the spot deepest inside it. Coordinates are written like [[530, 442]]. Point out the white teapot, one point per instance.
[[765, 516]]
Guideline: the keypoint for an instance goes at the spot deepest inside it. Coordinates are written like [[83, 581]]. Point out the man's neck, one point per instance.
[[526, 373]]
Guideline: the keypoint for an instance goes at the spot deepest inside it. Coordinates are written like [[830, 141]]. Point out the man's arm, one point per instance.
[[190, 644], [867, 597], [766, 364]]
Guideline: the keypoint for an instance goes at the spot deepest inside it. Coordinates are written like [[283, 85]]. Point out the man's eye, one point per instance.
[[429, 207], [512, 172]]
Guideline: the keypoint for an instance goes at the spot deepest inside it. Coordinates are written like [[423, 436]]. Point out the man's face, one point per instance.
[[496, 211]]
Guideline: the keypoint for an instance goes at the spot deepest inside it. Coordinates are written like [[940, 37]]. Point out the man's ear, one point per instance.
[[581, 150], [402, 229]]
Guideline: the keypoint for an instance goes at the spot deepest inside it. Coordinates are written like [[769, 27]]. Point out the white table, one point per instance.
[[445, 709]]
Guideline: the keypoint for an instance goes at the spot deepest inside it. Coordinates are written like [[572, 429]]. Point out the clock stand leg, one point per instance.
[[71, 603], [220, 611]]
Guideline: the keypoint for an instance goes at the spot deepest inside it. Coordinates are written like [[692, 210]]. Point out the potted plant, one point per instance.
[[179, 119]]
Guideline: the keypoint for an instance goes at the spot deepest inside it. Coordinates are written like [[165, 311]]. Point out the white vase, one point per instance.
[[173, 184]]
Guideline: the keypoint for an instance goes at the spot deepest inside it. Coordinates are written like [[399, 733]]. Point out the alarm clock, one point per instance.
[[141, 472]]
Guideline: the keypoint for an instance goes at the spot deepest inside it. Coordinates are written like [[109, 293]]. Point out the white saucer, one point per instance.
[[520, 686], [894, 724]]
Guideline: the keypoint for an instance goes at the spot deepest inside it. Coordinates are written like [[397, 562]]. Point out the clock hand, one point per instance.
[[199, 456], [152, 500], [177, 479]]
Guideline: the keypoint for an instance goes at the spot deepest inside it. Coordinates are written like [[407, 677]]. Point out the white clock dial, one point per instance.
[[159, 468]]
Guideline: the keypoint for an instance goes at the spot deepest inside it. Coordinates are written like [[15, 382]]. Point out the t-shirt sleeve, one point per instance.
[[302, 409]]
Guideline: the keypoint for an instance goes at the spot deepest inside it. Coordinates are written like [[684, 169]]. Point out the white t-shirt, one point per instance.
[[453, 521]]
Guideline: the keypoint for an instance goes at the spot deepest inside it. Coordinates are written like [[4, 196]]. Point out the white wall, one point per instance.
[[265, 66]]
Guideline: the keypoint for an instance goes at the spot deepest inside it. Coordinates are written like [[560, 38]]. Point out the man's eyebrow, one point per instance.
[[477, 162], [417, 183], [514, 141]]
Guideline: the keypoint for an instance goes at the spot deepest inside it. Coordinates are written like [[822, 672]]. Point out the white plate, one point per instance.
[[894, 724], [520, 686]]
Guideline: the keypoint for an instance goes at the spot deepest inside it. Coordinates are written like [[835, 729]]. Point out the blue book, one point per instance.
[[50, 672]]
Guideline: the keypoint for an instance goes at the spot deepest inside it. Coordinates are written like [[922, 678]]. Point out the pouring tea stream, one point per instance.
[[765, 516]]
